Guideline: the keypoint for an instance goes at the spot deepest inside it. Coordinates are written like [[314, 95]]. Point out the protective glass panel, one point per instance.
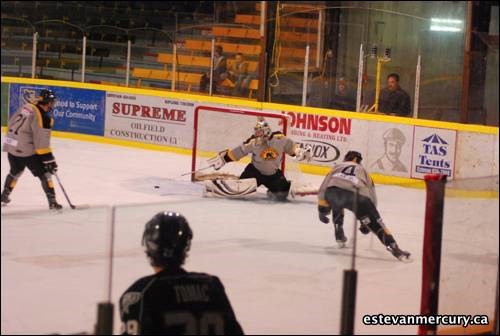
[[469, 256], [106, 53], [54, 270], [276, 281], [17, 46], [151, 57]]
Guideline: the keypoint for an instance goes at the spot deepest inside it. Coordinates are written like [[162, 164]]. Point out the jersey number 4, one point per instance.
[[349, 170]]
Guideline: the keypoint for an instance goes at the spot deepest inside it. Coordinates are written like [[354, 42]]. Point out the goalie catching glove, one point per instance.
[[218, 161], [303, 154]]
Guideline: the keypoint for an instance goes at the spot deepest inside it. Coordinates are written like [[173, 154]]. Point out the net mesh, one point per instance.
[[220, 129]]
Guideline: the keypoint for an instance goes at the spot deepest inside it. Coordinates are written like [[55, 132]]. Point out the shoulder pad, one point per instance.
[[30, 107], [277, 135], [247, 141], [139, 284], [200, 275]]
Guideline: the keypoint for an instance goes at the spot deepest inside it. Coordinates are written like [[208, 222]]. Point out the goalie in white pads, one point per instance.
[[338, 192], [266, 148]]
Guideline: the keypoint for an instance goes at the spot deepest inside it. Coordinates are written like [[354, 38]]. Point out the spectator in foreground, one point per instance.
[[173, 301]]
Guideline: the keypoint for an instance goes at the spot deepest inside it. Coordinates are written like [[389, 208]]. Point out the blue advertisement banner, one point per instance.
[[76, 110]]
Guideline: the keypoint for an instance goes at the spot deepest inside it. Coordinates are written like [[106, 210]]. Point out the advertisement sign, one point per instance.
[[433, 152], [76, 110], [330, 137], [390, 149], [156, 120]]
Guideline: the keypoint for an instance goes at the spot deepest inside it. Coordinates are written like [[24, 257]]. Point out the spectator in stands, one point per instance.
[[394, 100], [238, 74], [343, 99], [318, 91], [219, 71]]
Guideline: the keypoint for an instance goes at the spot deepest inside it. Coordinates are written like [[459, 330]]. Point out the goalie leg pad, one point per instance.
[[230, 188]]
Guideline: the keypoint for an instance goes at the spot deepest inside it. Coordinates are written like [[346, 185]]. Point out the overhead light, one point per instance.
[[451, 21], [450, 25], [445, 28]]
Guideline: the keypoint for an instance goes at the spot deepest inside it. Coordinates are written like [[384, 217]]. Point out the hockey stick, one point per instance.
[[198, 170], [66, 195], [305, 193]]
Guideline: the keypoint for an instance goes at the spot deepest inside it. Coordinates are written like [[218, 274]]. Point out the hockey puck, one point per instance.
[[157, 187]]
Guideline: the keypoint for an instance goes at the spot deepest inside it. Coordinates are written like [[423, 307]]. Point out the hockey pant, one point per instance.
[[17, 166], [366, 212], [276, 183]]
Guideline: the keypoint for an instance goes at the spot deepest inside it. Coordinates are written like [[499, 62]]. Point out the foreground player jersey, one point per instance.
[[29, 132], [266, 157], [348, 176], [176, 302]]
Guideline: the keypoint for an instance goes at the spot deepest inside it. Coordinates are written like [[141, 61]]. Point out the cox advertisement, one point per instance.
[[76, 110], [157, 120]]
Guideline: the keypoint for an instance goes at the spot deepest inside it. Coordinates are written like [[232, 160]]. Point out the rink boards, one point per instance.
[[164, 120]]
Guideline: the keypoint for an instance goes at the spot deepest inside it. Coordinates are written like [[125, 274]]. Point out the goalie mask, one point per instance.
[[262, 131], [167, 239]]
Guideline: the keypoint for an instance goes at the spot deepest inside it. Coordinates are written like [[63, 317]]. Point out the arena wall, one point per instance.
[[162, 120]]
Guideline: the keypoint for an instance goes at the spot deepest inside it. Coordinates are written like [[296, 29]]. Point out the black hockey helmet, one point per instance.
[[351, 155], [167, 239], [46, 96]]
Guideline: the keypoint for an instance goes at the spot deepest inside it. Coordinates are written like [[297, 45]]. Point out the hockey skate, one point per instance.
[[364, 229], [398, 253], [339, 235], [5, 197], [279, 196], [53, 205]]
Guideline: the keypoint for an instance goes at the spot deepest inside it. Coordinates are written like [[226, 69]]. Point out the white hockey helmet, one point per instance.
[[262, 130]]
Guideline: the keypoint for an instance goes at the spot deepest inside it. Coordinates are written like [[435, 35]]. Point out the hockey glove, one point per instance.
[[304, 154], [323, 214], [50, 166], [217, 162]]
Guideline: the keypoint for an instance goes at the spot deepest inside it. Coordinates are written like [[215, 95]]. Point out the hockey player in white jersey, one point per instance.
[[27, 143], [266, 148], [338, 192]]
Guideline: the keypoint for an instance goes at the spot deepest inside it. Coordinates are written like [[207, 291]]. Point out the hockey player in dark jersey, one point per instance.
[[338, 192], [266, 148], [174, 301], [27, 143]]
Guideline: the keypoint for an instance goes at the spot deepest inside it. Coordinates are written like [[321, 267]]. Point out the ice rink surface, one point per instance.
[[280, 265]]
